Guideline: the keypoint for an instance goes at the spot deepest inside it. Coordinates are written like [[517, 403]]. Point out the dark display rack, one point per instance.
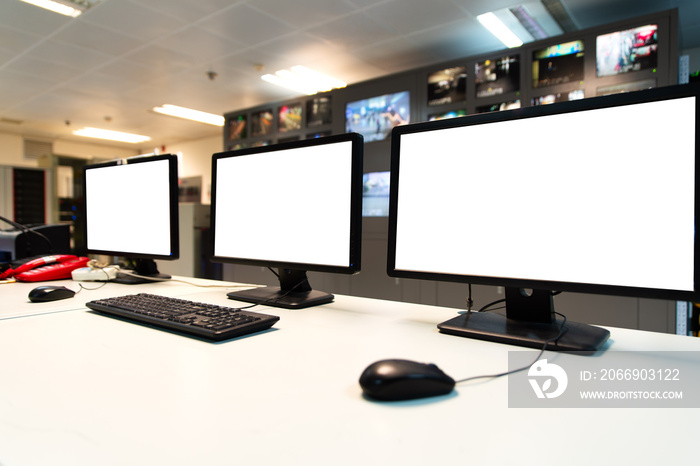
[[636, 53]]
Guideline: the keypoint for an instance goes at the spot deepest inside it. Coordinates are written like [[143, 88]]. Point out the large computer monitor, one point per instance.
[[131, 210], [595, 196], [295, 206]]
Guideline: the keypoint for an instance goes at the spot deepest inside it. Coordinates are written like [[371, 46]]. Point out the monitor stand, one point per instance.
[[294, 292], [145, 269], [529, 321]]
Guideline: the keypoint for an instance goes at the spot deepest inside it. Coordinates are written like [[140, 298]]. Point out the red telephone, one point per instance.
[[46, 268]]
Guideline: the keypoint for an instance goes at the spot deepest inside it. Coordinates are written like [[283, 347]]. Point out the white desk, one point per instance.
[[79, 388]]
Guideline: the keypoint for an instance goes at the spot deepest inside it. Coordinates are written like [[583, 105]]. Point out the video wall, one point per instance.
[[629, 55]]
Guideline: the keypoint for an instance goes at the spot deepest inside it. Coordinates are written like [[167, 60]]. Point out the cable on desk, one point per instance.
[[539, 355]]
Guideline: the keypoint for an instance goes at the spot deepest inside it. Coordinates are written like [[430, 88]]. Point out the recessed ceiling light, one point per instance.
[[496, 27], [71, 8], [111, 135], [304, 80], [189, 114]]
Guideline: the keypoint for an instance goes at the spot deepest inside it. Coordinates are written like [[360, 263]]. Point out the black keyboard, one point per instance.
[[207, 321]]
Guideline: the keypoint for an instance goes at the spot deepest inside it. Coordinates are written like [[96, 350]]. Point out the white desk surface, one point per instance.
[[79, 388]]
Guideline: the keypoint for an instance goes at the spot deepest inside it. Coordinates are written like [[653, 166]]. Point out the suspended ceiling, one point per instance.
[[110, 66]]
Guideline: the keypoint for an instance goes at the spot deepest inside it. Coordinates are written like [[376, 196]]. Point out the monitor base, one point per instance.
[[274, 296], [126, 279], [498, 328]]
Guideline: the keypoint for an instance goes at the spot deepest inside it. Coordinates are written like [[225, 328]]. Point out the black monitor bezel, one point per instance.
[[355, 237], [658, 94], [173, 205]]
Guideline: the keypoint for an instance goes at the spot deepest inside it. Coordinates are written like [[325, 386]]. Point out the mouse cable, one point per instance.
[[94, 265], [156, 279], [539, 355]]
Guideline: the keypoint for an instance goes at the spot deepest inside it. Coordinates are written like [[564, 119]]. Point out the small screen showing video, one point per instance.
[[375, 194], [289, 118], [447, 86], [558, 64], [375, 117], [626, 51], [318, 111], [496, 77]]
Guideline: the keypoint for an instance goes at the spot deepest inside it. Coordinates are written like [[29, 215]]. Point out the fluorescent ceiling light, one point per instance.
[[111, 135], [189, 114], [491, 22], [64, 7], [304, 80]]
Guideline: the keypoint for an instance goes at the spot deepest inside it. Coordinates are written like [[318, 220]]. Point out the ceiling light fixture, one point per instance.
[[496, 27], [111, 135], [189, 114], [72, 8], [304, 80]]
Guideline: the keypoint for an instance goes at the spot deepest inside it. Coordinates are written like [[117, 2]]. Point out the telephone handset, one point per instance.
[[46, 268]]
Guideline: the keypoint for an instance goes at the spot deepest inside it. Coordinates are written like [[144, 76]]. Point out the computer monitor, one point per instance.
[[131, 210], [295, 206], [594, 196]]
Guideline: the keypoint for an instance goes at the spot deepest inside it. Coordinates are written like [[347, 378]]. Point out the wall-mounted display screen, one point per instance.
[[625, 51], [375, 117], [321, 134], [289, 117], [558, 97], [447, 86], [557, 64], [496, 77], [445, 115], [498, 107], [237, 128], [261, 123], [375, 194], [319, 111]]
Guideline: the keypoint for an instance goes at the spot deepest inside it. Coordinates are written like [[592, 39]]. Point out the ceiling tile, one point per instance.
[[395, 55], [60, 53], [303, 14], [162, 59], [299, 48], [459, 39], [14, 41], [97, 38], [187, 10], [51, 71], [17, 87], [353, 31], [29, 18], [132, 19], [199, 43], [408, 16], [246, 25]]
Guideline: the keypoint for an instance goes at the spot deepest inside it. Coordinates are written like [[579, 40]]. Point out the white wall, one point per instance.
[[12, 151]]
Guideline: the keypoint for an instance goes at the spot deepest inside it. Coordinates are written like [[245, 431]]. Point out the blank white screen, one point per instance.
[[286, 206], [599, 197], [127, 208]]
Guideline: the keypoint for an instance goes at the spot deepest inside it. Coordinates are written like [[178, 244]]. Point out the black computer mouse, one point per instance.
[[42, 294], [400, 379]]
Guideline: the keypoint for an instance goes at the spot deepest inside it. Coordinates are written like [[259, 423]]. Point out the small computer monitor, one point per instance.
[[295, 206], [593, 196], [131, 210]]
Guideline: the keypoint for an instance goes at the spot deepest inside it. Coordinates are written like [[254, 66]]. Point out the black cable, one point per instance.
[[539, 355], [486, 307], [27, 230], [470, 301]]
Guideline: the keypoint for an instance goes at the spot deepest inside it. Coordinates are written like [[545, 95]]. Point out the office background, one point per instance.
[[118, 60]]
